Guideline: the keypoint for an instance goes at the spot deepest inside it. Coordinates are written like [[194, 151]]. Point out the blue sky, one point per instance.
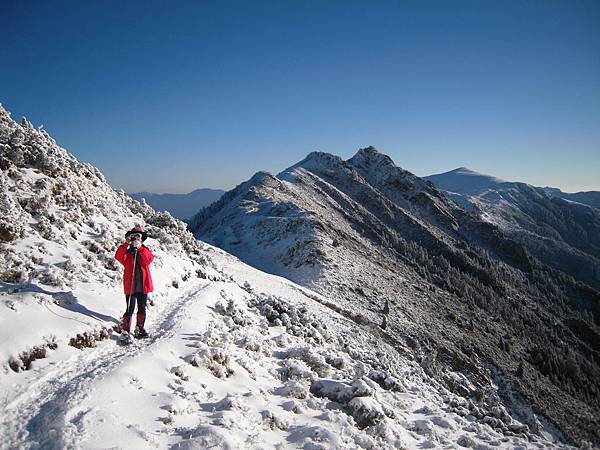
[[171, 96]]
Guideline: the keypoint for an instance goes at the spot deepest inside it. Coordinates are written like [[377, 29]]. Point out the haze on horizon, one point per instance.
[[172, 97]]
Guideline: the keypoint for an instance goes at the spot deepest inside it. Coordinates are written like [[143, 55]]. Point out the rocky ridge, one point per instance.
[[562, 233], [456, 290]]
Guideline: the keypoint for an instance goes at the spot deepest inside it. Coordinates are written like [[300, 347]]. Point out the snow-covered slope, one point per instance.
[[60, 226], [392, 250], [465, 181], [181, 206], [236, 358], [562, 233]]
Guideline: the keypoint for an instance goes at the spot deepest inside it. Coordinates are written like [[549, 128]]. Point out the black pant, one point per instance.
[[141, 303]]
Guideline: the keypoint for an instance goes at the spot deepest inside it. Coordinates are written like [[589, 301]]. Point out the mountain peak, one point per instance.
[[370, 150], [464, 180], [466, 171], [370, 156], [316, 160], [259, 180], [320, 156], [260, 177]]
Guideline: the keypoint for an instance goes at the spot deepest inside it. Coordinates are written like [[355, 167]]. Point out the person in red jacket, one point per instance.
[[137, 282]]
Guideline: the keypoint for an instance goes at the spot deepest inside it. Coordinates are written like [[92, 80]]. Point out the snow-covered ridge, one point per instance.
[[377, 240], [590, 198], [60, 225], [236, 358], [563, 234]]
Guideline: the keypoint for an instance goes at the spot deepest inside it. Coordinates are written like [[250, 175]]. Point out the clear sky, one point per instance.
[[171, 96]]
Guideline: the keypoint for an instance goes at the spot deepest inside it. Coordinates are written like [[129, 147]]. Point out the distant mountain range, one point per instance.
[[455, 285], [181, 206], [465, 181], [559, 230], [591, 198]]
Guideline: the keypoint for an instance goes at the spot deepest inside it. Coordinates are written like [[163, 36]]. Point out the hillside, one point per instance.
[[562, 233], [236, 358], [455, 289]]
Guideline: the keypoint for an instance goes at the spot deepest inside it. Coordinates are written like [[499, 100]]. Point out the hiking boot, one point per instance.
[[125, 323], [140, 333]]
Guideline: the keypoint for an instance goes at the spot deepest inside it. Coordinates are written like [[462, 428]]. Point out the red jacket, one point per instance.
[[145, 257]]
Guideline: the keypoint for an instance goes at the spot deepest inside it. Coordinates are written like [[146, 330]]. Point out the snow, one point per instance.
[[319, 224], [557, 230], [219, 369], [236, 358], [467, 181]]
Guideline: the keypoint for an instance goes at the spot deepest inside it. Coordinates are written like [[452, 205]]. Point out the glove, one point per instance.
[[137, 243]]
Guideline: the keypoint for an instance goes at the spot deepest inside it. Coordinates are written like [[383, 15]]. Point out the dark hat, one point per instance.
[[137, 229]]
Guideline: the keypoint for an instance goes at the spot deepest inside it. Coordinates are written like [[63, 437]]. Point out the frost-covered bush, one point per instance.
[[273, 421], [366, 411], [44, 227], [335, 361], [231, 402], [386, 381], [254, 344], [11, 276], [294, 389], [214, 337], [51, 277], [25, 358], [88, 339], [296, 320], [9, 231], [179, 372], [215, 359], [359, 399], [340, 391], [296, 369], [218, 362], [312, 358], [237, 315], [36, 205]]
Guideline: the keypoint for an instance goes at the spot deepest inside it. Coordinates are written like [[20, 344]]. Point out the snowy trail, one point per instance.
[[38, 412], [220, 372]]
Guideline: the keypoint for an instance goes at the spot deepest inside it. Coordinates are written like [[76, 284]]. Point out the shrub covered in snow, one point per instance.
[[296, 320], [25, 358], [312, 358], [88, 339], [237, 314], [69, 204], [213, 355]]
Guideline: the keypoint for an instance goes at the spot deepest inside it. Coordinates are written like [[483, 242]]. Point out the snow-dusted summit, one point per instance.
[[465, 180]]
